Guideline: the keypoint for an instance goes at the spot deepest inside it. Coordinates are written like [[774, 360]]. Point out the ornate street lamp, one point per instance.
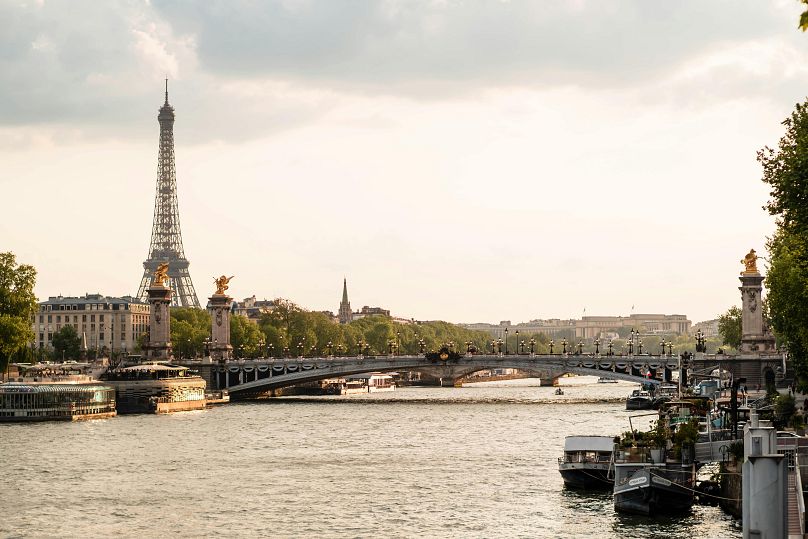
[[468, 346], [610, 348], [330, 347], [551, 346], [639, 346], [506, 341], [270, 349], [597, 347], [580, 347], [522, 346], [564, 344], [499, 346], [532, 345], [517, 342]]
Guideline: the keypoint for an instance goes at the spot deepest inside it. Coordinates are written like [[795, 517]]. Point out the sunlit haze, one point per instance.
[[458, 160]]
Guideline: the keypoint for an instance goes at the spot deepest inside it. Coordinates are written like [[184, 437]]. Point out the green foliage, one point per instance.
[[659, 434], [289, 326], [784, 409], [189, 329], [17, 306], [729, 326], [785, 170], [804, 17], [66, 343], [686, 433], [735, 449], [245, 337]]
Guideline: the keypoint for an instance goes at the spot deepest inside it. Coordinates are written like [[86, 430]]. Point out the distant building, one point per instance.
[[590, 327], [345, 314], [100, 321], [708, 327], [370, 311], [252, 308]]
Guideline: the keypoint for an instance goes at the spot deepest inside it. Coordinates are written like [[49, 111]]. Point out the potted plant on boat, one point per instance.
[[658, 438]]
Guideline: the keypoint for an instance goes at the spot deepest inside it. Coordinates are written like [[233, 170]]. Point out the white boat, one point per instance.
[[606, 381], [587, 462]]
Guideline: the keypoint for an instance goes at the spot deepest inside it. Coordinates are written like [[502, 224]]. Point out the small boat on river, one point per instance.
[[587, 462], [602, 380], [639, 400]]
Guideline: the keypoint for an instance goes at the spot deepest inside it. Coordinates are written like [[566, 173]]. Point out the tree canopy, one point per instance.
[[785, 170], [66, 343], [17, 306], [729, 326]]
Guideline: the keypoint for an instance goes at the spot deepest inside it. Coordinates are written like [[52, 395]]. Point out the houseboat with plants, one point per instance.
[[48, 392], [588, 462], [654, 471], [156, 388]]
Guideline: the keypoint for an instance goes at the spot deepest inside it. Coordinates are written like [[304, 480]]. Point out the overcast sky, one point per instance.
[[458, 160]]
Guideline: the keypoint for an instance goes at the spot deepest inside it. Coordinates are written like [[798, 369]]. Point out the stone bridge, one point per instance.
[[254, 377]]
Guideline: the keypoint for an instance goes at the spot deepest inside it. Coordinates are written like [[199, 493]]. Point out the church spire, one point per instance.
[[345, 313]]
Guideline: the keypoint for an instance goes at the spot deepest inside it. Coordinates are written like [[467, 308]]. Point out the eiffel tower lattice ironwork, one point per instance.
[[166, 238]]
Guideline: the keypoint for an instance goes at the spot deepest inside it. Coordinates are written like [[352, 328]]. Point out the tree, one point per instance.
[[66, 343], [785, 170], [804, 18], [18, 306], [189, 329], [245, 337], [729, 326]]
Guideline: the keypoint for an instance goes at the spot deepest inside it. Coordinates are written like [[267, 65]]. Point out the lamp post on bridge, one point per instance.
[[670, 348], [551, 346], [522, 346], [532, 345], [506, 341], [597, 347], [468, 347], [564, 344], [499, 346], [270, 348], [580, 347], [516, 346], [421, 345], [610, 347], [639, 346], [330, 349]]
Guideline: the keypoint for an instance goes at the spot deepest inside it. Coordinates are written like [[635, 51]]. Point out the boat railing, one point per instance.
[[637, 455], [575, 458]]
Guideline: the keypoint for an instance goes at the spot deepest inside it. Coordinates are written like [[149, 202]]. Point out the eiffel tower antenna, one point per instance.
[[166, 238]]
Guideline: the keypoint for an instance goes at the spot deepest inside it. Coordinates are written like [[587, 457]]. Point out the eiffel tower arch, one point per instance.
[[166, 237]]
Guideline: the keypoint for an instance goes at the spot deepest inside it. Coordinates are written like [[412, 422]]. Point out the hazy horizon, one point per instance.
[[465, 161]]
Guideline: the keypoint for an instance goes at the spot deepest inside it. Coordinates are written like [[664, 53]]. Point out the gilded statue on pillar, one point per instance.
[[160, 275], [750, 263], [221, 284]]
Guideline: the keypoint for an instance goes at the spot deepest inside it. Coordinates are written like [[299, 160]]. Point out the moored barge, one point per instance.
[[156, 388], [587, 462], [50, 395]]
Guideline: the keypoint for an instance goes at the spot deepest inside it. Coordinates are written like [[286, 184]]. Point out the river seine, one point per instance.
[[418, 462]]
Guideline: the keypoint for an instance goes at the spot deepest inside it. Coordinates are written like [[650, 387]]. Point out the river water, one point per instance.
[[427, 462]]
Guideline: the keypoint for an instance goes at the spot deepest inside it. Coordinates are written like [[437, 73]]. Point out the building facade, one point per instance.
[[102, 322], [591, 327]]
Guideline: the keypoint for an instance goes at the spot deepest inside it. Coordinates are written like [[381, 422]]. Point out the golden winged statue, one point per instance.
[[221, 283], [750, 263], [160, 275]]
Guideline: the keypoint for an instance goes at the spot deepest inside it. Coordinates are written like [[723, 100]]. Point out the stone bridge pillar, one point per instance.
[[220, 347], [159, 347]]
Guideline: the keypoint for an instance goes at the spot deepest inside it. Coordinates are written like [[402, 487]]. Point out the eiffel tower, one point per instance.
[[166, 239]]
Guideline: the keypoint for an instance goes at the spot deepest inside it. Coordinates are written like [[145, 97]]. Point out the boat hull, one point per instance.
[[651, 491], [639, 404], [586, 476]]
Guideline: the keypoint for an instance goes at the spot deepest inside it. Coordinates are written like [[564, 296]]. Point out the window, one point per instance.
[[75, 319], [41, 319], [92, 319], [100, 336], [58, 318], [84, 318], [50, 335], [41, 336], [100, 317], [49, 318]]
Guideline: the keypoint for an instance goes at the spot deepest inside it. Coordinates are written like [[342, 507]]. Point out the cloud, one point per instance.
[[245, 69]]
